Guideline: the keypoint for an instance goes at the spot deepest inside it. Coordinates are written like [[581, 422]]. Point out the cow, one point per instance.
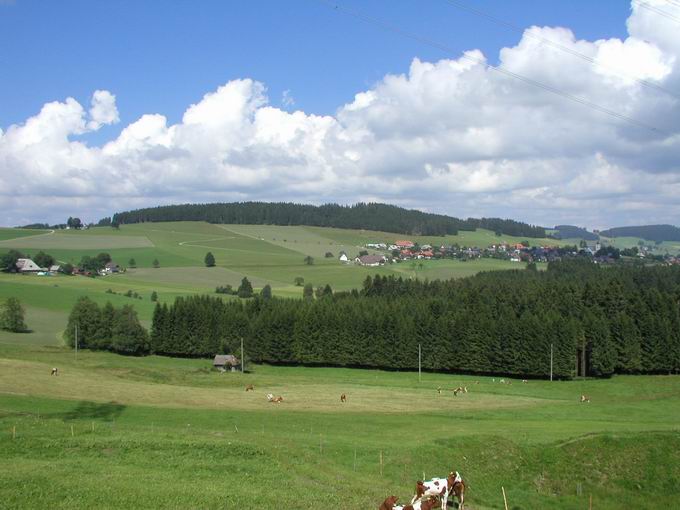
[[343, 398], [437, 487], [525, 381], [390, 503], [273, 399], [439, 390], [457, 488], [585, 398], [55, 371], [250, 387], [460, 389]]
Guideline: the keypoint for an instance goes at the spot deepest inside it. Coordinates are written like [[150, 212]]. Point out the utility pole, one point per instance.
[[551, 361], [76, 341], [420, 379], [243, 361]]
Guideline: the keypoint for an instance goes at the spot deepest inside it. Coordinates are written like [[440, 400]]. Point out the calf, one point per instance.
[[343, 398], [250, 387], [585, 398], [457, 487], [55, 371], [391, 504]]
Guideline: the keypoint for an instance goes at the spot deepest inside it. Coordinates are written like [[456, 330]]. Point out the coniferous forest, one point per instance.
[[381, 217], [599, 321]]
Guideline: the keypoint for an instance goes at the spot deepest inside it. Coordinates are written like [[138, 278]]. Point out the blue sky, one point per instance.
[[112, 105], [161, 56]]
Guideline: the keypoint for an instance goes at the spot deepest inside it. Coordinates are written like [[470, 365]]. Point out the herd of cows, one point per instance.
[[431, 494]]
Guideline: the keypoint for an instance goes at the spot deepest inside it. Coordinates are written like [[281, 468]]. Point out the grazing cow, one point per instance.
[[250, 387], [460, 389], [55, 371], [343, 398], [585, 398], [276, 400], [439, 488], [439, 390], [524, 381]]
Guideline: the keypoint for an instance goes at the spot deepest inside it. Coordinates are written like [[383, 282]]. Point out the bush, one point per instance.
[[12, 316]]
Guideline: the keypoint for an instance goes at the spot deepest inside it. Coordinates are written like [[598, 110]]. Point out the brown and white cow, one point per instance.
[[55, 371], [250, 387], [343, 398], [585, 398]]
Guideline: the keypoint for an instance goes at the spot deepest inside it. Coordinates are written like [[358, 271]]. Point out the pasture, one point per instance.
[[173, 433]]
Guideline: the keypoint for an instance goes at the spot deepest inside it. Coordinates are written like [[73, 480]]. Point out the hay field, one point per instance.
[[172, 433]]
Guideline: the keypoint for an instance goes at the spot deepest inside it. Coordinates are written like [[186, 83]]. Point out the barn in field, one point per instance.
[[226, 363]]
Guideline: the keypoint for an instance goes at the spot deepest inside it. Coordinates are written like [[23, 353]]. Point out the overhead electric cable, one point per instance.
[[658, 11], [530, 81], [549, 42]]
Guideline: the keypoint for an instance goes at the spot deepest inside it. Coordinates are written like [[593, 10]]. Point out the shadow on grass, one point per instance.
[[92, 411]]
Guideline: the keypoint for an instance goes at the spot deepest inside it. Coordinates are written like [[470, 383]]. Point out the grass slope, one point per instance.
[[171, 433]]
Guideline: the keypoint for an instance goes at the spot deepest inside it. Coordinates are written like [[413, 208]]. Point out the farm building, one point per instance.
[[28, 266], [370, 260], [226, 362]]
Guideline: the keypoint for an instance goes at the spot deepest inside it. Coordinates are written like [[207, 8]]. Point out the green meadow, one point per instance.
[[150, 432]]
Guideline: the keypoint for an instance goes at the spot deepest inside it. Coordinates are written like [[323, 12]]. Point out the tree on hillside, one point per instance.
[[266, 292], [309, 260], [299, 280], [8, 261], [12, 316], [156, 264], [245, 290], [67, 268], [154, 296], [329, 255], [308, 292], [209, 260], [86, 316], [127, 334], [74, 222], [43, 259], [132, 263]]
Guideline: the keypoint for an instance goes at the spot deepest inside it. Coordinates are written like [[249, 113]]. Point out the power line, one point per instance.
[[658, 11], [530, 81], [549, 42]]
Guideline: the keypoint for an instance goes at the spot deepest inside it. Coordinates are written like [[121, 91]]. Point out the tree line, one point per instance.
[[597, 321], [371, 216]]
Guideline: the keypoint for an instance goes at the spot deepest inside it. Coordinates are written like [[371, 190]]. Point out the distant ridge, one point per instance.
[[371, 216], [572, 232], [647, 232]]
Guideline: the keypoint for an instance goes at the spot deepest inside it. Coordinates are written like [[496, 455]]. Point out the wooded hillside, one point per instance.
[[648, 232], [380, 217], [616, 320]]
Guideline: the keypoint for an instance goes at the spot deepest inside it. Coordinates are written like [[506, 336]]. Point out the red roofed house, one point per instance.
[[404, 244]]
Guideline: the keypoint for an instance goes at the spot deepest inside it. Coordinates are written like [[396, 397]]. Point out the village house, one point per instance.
[[111, 267], [370, 260], [404, 244], [343, 257], [226, 363]]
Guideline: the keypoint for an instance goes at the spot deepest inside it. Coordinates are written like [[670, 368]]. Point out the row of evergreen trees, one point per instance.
[[106, 328], [380, 217], [598, 322]]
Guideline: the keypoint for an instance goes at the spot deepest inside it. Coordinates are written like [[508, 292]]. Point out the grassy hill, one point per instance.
[[173, 433], [153, 432]]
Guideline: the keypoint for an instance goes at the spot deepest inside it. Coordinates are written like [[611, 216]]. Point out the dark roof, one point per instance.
[[371, 259], [222, 360]]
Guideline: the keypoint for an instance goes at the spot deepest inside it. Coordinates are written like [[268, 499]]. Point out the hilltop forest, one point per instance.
[[599, 321], [380, 217]]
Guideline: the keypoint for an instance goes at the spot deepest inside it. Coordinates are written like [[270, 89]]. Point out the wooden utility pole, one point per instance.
[[420, 378], [551, 362], [583, 358], [76, 341], [243, 361]]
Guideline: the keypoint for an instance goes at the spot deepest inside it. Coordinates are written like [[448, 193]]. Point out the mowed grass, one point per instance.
[[155, 432], [14, 233]]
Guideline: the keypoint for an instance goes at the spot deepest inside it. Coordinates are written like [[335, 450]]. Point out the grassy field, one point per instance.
[[113, 432]]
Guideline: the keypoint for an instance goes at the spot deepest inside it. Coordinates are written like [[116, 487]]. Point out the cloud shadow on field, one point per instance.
[[93, 411]]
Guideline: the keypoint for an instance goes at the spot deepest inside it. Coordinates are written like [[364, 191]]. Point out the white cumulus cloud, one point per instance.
[[451, 136]]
